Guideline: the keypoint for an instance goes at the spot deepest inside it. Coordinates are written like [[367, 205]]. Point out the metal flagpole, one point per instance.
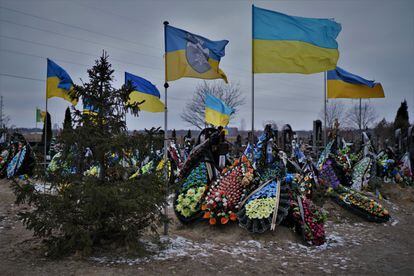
[[360, 114], [324, 104], [45, 127], [252, 137], [165, 131]]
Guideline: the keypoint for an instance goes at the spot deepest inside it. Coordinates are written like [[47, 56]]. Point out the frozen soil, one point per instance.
[[353, 246]]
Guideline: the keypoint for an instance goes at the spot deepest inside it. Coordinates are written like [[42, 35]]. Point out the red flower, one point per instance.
[[224, 220]]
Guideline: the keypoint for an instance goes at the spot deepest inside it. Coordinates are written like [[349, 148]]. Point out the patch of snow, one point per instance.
[[177, 246]]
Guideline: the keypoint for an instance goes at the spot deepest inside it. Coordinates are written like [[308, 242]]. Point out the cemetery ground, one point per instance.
[[354, 247]]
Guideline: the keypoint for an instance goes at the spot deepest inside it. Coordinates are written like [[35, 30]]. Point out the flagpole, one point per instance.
[[324, 104], [165, 131], [252, 137], [45, 141], [360, 115]]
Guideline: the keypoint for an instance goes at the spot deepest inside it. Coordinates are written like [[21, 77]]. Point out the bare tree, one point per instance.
[[5, 122], [229, 93], [364, 120], [334, 110]]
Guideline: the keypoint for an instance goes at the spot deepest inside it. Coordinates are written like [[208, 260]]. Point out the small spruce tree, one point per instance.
[[67, 123], [83, 211], [174, 135], [47, 124], [401, 119]]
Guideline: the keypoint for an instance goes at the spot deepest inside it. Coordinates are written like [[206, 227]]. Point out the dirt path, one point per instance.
[[354, 247]]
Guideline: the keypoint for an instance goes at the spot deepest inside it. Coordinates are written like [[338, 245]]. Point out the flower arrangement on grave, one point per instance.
[[190, 194], [361, 173], [359, 204], [328, 176], [265, 207], [310, 219], [223, 198]]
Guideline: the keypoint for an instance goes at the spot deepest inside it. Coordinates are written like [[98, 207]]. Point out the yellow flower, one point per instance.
[[190, 192]]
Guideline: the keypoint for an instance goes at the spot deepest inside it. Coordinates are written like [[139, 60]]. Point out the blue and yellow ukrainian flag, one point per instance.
[[217, 112], [342, 84], [291, 44], [58, 83], [144, 90], [88, 108], [191, 55]]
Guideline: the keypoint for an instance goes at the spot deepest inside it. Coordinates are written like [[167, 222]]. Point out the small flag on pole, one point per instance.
[[342, 84], [217, 112], [58, 83], [292, 44], [193, 56], [88, 108], [40, 115], [144, 91]]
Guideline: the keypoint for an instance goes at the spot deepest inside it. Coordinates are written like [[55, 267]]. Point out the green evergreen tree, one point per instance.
[[401, 119], [85, 211], [67, 123], [47, 124]]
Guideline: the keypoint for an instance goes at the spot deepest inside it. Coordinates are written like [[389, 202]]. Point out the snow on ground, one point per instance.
[[251, 250], [178, 246]]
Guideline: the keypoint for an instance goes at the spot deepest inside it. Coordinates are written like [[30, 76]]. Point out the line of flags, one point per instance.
[[281, 44], [59, 84]]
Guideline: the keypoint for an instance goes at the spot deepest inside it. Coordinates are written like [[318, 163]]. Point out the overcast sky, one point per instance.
[[376, 42]]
